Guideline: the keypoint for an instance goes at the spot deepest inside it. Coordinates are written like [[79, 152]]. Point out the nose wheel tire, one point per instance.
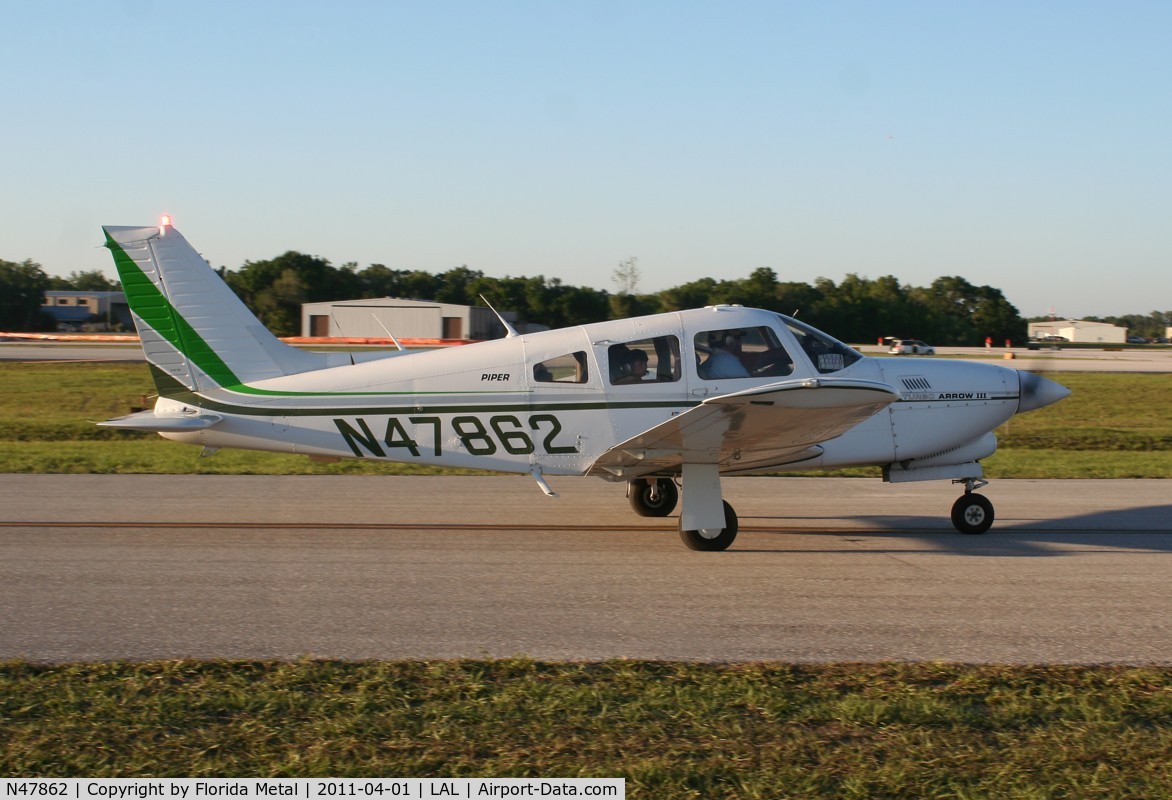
[[972, 513], [653, 501], [712, 539]]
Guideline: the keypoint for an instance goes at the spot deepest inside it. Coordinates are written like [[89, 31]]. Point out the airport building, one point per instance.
[[1077, 330], [90, 311], [382, 317]]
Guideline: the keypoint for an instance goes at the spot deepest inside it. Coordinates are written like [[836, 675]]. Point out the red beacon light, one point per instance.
[[164, 223]]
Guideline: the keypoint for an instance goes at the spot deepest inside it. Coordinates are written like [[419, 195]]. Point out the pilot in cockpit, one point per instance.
[[724, 359], [751, 353]]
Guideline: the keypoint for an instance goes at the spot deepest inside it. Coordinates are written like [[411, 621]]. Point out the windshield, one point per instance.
[[827, 354]]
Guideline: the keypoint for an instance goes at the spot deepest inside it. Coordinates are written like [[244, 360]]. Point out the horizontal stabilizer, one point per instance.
[[174, 422]]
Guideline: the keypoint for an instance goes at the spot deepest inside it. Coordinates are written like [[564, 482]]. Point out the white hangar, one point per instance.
[[1077, 330], [380, 317]]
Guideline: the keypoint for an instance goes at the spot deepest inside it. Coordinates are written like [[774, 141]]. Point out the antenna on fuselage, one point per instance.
[[390, 335], [510, 331]]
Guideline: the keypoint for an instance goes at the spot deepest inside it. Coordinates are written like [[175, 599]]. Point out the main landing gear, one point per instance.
[[712, 539], [711, 522], [972, 513], [653, 497]]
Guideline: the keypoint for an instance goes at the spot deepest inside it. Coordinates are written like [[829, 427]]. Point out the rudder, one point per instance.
[[195, 332]]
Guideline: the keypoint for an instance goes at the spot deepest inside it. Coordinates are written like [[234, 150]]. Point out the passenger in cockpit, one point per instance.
[[635, 369]]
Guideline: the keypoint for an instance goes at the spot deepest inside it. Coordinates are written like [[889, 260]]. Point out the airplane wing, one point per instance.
[[778, 423]]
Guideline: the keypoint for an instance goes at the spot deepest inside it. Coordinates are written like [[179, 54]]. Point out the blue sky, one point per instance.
[[1026, 146]]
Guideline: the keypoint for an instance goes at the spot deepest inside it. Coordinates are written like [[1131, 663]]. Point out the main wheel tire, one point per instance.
[[972, 513], [662, 505], [712, 539]]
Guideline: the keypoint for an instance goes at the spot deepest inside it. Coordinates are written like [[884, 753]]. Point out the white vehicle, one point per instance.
[[683, 397], [912, 347]]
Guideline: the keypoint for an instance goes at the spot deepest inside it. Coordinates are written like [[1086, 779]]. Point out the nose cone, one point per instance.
[[1038, 392]]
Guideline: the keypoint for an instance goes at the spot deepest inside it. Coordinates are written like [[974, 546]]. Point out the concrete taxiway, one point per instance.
[[99, 567]]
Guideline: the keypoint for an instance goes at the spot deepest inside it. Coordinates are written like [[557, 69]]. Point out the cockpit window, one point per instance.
[[741, 353], [645, 361], [570, 368], [827, 354]]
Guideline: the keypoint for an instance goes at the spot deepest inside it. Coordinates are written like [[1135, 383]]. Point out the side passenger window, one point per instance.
[[644, 361], [570, 368]]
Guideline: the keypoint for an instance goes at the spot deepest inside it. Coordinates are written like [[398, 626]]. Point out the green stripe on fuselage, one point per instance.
[[422, 408]]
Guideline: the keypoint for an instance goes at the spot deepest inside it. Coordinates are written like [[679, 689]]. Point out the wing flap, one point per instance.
[[778, 423]]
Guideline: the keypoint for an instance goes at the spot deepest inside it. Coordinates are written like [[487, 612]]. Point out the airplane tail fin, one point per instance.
[[196, 333]]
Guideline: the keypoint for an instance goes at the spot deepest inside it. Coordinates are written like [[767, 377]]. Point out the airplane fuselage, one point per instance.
[[482, 406]]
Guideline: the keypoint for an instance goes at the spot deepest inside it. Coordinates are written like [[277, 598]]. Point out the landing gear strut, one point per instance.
[[707, 522], [972, 513], [653, 497]]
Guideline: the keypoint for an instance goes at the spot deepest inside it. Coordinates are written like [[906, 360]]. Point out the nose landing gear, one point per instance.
[[972, 513]]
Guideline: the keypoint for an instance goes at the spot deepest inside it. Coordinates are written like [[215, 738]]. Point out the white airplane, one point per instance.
[[684, 396]]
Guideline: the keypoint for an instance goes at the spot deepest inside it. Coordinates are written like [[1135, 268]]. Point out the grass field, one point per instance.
[[673, 730], [1115, 425]]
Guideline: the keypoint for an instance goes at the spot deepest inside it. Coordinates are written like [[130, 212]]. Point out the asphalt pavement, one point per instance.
[[105, 567]]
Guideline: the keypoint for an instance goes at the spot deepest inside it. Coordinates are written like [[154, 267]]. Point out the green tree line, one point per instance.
[[951, 311]]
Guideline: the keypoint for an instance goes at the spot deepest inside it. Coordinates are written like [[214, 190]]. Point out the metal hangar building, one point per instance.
[[383, 317]]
